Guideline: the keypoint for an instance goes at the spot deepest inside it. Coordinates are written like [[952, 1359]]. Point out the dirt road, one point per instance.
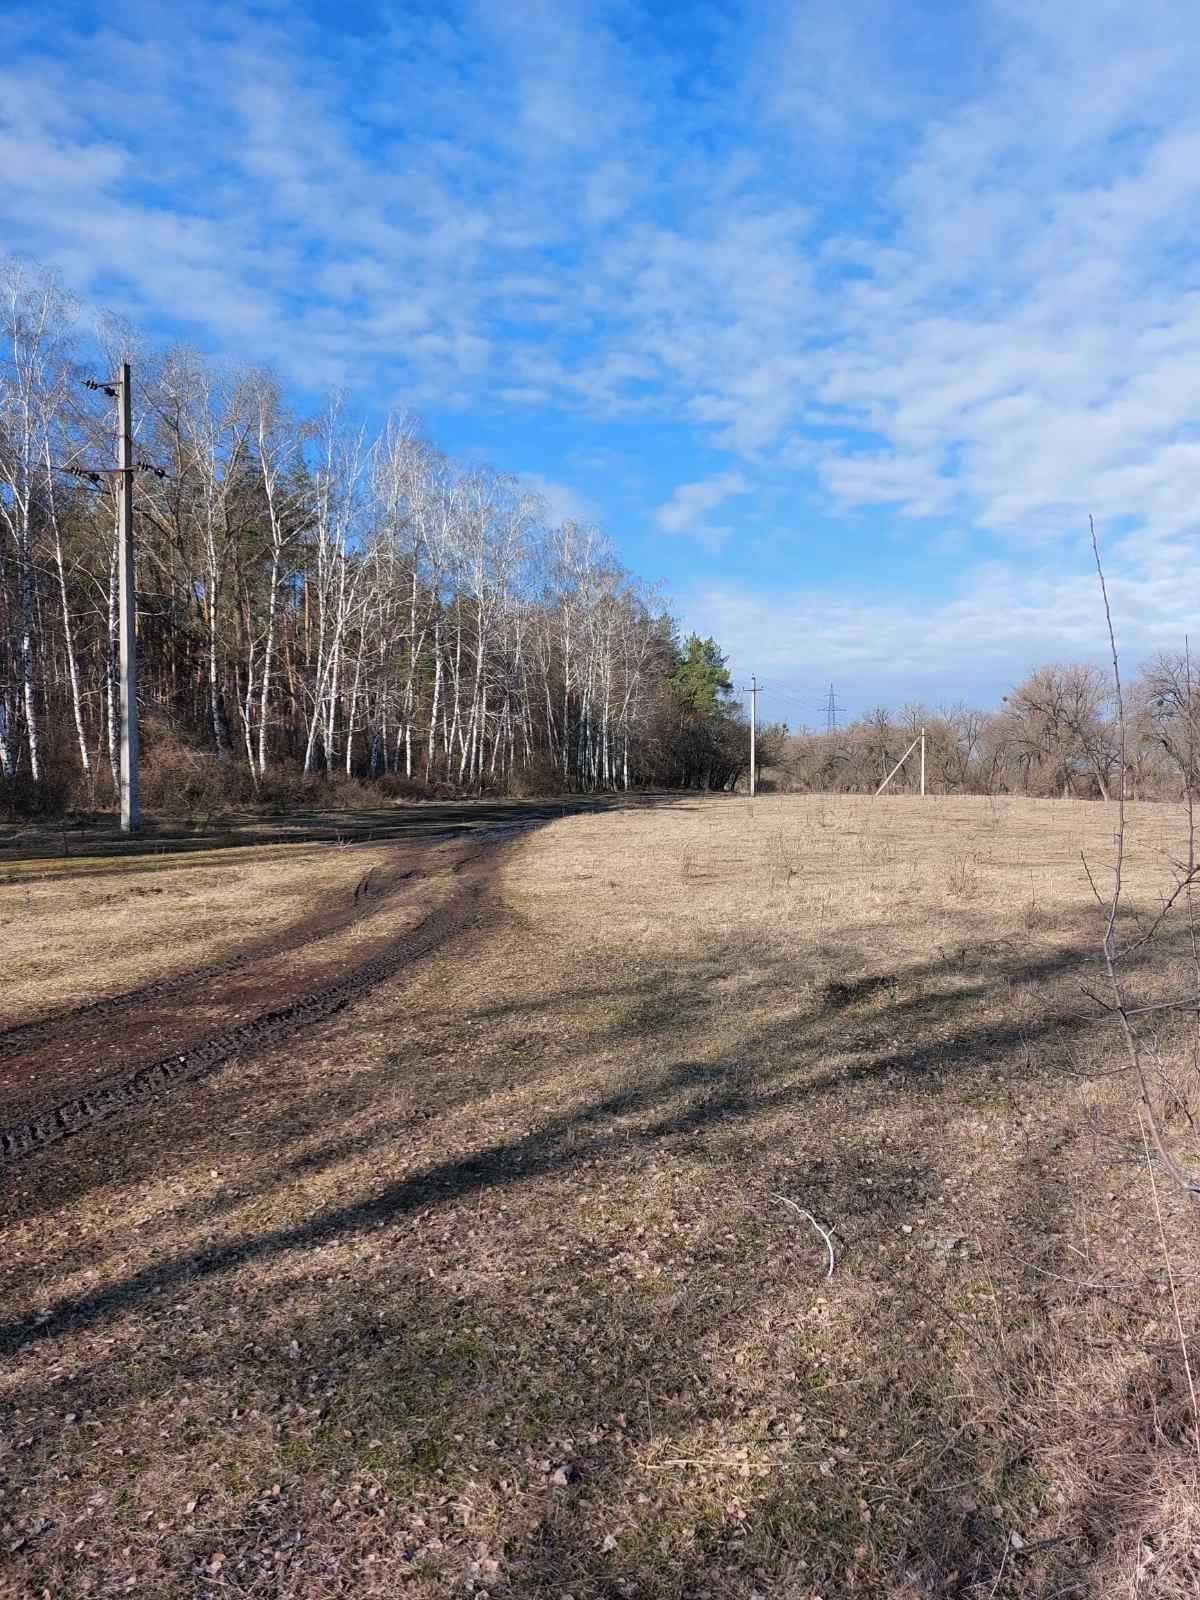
[[68, 1070]]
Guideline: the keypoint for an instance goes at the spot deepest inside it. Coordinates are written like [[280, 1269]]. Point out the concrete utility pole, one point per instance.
[[753, 735], [919, 740], [120, 389], [131, 805]]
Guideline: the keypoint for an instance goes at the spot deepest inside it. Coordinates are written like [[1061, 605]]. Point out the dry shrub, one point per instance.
[[964, 880], [1036, 913], [1113, 1504], [180, 777], [21, 796], [538, 778], [180, 781], [878, 850], [783, 859], [61, 788], [387, 789], [286, 789]]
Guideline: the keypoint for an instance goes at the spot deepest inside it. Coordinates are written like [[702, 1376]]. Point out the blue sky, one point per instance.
[[838, 317]]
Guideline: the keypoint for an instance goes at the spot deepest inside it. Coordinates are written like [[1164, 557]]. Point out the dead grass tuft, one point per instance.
[[964, 877]]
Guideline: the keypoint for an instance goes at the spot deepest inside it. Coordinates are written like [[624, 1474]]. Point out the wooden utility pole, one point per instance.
[[922, 763], [131, 806], [753, 734]]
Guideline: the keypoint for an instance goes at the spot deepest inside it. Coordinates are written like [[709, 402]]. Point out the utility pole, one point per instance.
[[131, 805], [753, 734], [919, 740], [922, 763], [120, 389]]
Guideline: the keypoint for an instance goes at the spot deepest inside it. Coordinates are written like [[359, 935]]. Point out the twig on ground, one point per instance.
[[1003, 1568], [808, 1216]]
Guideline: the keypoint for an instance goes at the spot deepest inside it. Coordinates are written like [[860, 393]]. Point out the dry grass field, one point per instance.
[[494, 1283]]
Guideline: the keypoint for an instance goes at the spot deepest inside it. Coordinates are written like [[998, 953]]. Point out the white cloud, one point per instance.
[[563, 504], [1028, 347], [946, 269], [1002, 620], [687, 509]]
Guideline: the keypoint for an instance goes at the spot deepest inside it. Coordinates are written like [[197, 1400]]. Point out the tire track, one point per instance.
[[36, 1032], [23, 1036], [140, 1086]]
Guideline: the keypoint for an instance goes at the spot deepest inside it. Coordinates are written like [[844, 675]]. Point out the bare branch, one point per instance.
[[808, 1217], [1133, 1053]]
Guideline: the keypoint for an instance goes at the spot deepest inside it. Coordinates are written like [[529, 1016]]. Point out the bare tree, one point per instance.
[[305, 593], [34, 321], [1058, 726]]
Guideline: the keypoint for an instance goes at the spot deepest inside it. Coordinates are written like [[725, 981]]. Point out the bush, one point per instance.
[[180, 781], [287, 789], [180, 778], [20, 796], [538, 778], [387, 788]]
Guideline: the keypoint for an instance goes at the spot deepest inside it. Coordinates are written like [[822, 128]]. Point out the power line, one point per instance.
[[789, 699], [796, 702]]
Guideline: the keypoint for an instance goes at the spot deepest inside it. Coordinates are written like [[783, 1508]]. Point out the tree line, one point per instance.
[[1055, 735], [315, 602]]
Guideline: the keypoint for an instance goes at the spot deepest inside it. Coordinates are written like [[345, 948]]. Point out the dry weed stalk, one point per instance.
[[963, 880], [1166, 1254], [1119, 1005]]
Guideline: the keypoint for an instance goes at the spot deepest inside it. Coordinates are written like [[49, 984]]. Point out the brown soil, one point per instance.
[[335, 923], [52, 1059]]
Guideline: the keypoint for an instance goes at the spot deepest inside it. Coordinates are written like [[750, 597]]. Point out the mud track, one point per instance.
[[415, 857], [22, 1037], [87, 1049]]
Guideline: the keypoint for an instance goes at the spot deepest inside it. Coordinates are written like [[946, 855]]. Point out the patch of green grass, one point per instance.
[[430, 1454], [234, 1476]]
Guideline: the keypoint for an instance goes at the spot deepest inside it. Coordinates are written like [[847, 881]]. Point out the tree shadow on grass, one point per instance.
[[604, 1432], [780, 1067], [88, 841], [414, 1357]]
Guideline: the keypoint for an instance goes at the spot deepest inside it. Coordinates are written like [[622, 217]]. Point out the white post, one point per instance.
[[922, 763], [897, 767], [753, 732], [131, 809]]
